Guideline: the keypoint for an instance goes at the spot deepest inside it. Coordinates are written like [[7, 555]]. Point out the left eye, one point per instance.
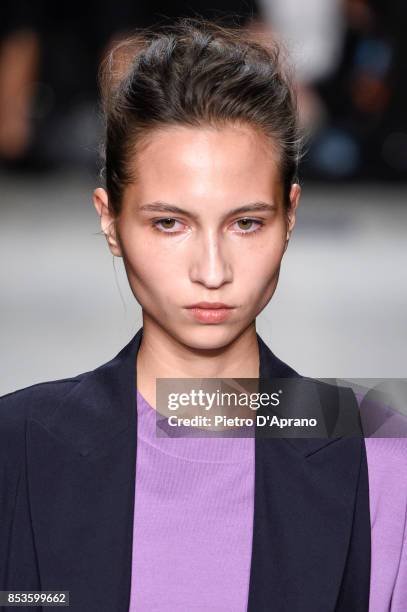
[[246, 221]]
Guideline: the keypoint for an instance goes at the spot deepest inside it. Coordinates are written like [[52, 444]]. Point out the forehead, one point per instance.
[[197, 164]]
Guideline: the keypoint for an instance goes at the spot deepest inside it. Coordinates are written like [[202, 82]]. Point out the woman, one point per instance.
[[200, 199]]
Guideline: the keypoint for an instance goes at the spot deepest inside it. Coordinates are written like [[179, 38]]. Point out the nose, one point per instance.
[[210, 264]]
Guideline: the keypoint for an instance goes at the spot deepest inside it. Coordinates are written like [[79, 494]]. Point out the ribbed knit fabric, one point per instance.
[[387, 465], [193, 522]]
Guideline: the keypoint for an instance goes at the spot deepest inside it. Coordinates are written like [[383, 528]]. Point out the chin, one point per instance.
[[205, 337]]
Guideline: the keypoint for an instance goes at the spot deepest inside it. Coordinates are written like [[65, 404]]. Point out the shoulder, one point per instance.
[[23, 400], [33, 402]]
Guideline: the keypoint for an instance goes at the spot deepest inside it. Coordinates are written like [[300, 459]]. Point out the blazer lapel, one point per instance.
[[311, 519], [81, 472], [311, 531]]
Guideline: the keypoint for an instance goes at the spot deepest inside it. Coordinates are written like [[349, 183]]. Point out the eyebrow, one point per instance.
[[250, 207]]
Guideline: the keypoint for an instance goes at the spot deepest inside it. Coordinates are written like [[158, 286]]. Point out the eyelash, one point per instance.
[[243, 233]]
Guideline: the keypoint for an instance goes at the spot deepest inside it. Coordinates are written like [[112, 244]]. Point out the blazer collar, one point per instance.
[[103, 403], [309, 495]]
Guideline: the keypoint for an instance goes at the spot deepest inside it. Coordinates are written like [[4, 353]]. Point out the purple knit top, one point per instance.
[[193, 520]]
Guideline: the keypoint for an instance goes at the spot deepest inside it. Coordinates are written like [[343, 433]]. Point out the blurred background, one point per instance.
[[339, 310]]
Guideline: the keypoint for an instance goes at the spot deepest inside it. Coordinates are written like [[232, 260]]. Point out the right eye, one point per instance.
[[167, 223]]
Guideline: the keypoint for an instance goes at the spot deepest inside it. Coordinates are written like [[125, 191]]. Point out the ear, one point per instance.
[[295, 194], [107, 220]]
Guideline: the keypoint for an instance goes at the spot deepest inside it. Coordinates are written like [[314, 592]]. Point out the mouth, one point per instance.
[[210, 312], [210, 305]]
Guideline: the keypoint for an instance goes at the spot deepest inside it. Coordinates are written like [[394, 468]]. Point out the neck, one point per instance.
[[161, 355]]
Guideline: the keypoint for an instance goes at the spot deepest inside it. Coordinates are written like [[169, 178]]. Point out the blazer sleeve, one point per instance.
[[18, 556], [18, 563]]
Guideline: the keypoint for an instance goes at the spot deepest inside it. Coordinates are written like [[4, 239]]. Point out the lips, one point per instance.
[[210, 305], [210, 312]]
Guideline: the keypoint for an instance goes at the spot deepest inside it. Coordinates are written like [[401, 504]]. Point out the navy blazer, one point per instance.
[[67, 474]]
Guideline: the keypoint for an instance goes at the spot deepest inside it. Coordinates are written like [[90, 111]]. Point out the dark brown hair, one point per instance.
[[193, 72]]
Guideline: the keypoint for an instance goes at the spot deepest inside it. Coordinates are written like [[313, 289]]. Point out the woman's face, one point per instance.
[[183, 240]]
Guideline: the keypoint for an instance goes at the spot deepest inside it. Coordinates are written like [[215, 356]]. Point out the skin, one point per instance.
[[207, 253]]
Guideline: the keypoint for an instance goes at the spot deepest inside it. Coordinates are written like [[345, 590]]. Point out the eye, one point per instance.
[[248, 223], [167, 224]]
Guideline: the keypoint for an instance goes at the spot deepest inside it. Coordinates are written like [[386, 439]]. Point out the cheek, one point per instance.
[[258, 272], [262, 260], [153, 276]]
